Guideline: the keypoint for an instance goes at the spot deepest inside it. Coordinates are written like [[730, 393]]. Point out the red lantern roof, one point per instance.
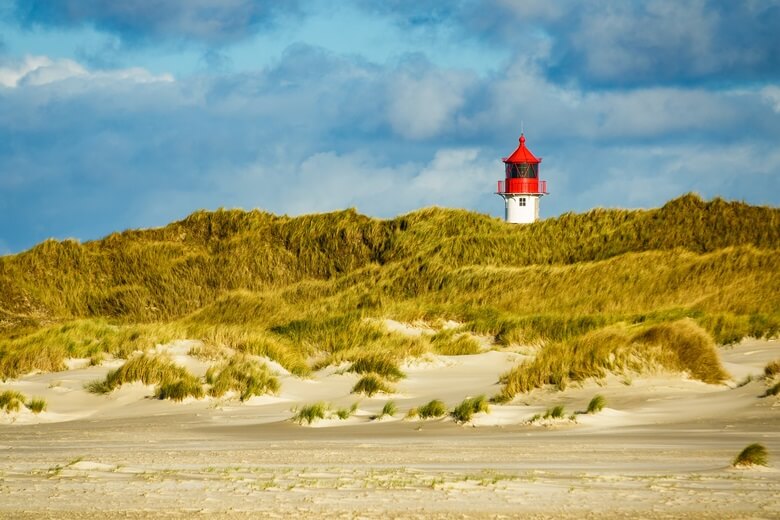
[[522, 154]]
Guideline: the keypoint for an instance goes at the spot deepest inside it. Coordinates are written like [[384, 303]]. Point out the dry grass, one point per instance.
[[346, 413], [451, 343], [207, 351], [311, 412], [242, 374], [377, 364], [430, 410], [556, 412], [772, 368], [311, 291], [388, 410], [370, 385], [180, 389], [37, 405], [466, 410], [221, 339], [596, 404], [772, 390], [753, 455], [11, 401], [680, 346], [46, 349], [172, 381]]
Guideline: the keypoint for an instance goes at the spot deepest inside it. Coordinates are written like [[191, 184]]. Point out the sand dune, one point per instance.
[[662, 446]]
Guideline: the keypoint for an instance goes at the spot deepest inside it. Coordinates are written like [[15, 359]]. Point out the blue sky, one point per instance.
[[117, 115]]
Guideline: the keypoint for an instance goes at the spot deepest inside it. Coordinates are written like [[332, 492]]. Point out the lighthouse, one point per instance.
[[521, 189]]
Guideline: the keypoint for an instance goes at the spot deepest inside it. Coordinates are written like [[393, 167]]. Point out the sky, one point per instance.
[[133, 114]]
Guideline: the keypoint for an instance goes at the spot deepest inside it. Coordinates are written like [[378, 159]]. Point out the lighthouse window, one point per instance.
[[522, 171], [521, 202]]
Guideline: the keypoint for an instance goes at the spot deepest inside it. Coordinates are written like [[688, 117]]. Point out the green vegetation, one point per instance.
[[310, 413], [371, 384], [450, 343], [11, 401], [603, 291], [466, 409], [379, 365], [772, 390], [241, 374], [346, 413], [596, 404], [556, 412], [772, 368], [37, 405], [389, 409], [173, 382], [753, 455], [432, 409], [677, 346], [47, 348], [180, 389]]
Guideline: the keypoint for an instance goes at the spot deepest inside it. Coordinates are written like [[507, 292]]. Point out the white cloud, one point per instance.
[[771, 95], [423, 105], [42, 70], [453, 177], [327, 181], [569, 111], [648, 176]]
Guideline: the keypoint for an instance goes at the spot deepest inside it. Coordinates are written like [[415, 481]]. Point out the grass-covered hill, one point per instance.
[[304, 290]]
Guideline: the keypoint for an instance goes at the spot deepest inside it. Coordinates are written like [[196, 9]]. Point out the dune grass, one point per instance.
[[370, 385], [450, 343], [47, 349], [388, 410], [377, 364], [11, 401], [464, 412], [680, 346], [221, 338], [207, 351], [311, 412], [173, 381], [772, 368], [753, 455], [431, 410], [346, 413], [37, 405], [180, 389], [596, 404], [242, 374], [311, 291], [772, 390], [556, 412]]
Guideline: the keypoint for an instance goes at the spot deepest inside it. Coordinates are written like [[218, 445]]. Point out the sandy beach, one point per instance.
[[661, 448]]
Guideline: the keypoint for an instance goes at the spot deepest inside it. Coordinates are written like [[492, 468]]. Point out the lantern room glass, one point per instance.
[[522, 171]]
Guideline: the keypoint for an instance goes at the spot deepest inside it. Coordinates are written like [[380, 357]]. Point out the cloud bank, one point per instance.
[[623, 114]]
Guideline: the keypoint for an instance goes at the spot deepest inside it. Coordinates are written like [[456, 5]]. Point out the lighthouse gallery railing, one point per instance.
[[522, 186]]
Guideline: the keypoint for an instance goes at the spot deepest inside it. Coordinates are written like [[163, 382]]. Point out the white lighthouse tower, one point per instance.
[[522, 189]]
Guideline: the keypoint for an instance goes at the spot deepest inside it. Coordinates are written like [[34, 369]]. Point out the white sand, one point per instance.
[[661, 448]]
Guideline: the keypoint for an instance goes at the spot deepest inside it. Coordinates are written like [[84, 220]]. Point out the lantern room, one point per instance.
[[521, 188]]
